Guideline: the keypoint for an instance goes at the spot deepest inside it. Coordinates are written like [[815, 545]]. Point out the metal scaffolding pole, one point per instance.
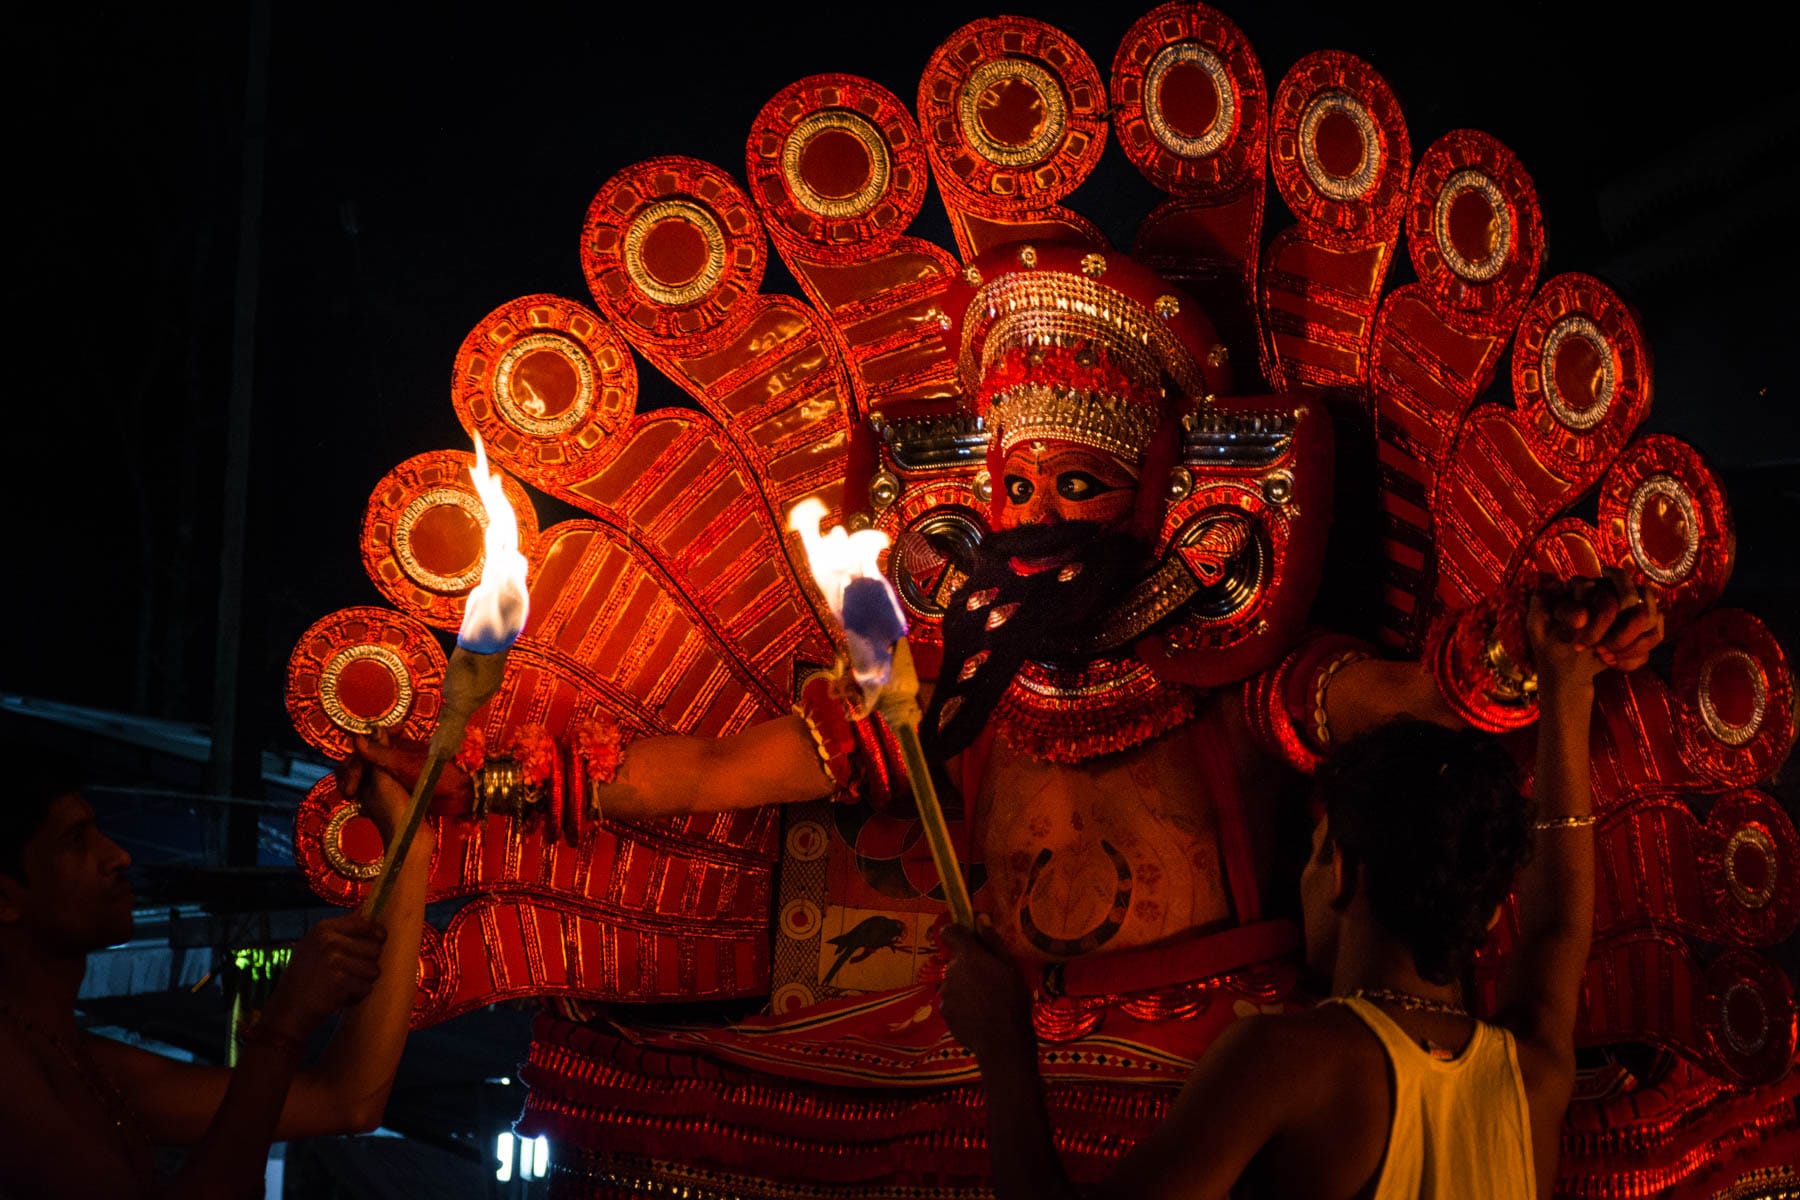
[[235, 838]]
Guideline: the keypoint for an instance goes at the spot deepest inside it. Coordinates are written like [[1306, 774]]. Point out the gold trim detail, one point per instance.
[[1093, 265], [519, 415], [1054, 308], [334, 706], [1744, 1045], [633, 1175], [1028, 256], [1717, 725], [1224, 121], [884, 489], [708, 227], [839, 208], [417, 571], [1172, 585], [1764, 1183], [1039, 410], [1049, 134], [1339, 187], [1321, 716], [1668, 488], [1577, 326], [1471, 180], [332, 843], [1751, 835]]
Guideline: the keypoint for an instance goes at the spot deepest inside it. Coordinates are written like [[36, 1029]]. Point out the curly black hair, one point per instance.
[[1432, 822], [37, 779]]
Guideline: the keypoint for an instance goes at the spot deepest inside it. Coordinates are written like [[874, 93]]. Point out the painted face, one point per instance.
[[1049, 482], [1319, 883], [74, 895]]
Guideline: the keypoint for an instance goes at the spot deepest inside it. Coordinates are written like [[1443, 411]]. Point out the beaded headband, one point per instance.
[[1058, 342]]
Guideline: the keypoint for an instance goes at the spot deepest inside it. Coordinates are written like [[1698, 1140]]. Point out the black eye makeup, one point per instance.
[[1018, 489], [1079, 485]]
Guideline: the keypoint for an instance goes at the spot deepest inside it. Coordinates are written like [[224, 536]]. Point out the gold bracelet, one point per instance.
[[1586, 822]]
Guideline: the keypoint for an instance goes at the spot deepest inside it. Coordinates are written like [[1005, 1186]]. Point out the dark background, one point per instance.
[[425, 164], [422, 165]]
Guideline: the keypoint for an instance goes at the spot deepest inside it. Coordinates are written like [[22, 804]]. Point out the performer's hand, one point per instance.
[[384, 800], [1581, 629], [334, 966], [985, 1001], [403, 760]]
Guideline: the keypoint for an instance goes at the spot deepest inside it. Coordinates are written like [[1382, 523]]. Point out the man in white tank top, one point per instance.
[[1389, 1089]]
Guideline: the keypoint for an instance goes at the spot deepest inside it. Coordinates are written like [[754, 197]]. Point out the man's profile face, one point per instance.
[[1054, 482], [73, 895]]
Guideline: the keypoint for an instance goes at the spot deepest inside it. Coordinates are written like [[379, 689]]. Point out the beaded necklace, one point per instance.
[[1411, 1003]]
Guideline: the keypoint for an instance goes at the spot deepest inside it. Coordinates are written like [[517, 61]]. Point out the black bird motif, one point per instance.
[[869, 935]]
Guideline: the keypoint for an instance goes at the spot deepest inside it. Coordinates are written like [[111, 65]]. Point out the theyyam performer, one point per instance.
[[1108, 483]]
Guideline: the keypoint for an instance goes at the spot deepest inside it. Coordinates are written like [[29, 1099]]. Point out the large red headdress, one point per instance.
[[1065, 343]]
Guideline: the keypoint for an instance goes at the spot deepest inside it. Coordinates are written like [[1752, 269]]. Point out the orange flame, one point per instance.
[[495, 612], [838, 559]]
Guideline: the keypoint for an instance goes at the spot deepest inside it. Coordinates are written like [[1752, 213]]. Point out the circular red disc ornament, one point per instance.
[[1580, 373], [360, 670], [546, 383], [1755, 870], [1474, 227], [1736, 696], [422, 534], [1189, 103], [1339, 148], [670, 247], [340, 850], [1663, 512], [1013, 113], [1745, 1010], [837, 167]]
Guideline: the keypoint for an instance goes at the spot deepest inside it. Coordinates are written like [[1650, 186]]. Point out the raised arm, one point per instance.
[[1540, 992], [231, 1115]]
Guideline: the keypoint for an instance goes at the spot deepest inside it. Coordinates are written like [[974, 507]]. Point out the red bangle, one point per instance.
[[1480, 659], [823, 711], [1285, 705]]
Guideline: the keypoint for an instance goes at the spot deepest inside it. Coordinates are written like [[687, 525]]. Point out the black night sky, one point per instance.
[[426, 163]]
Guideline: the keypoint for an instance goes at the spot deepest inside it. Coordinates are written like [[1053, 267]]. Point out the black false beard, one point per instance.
[[1047, 616]]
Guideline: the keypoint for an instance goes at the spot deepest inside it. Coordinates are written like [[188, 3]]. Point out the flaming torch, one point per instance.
[[846, 569], [493, 617]]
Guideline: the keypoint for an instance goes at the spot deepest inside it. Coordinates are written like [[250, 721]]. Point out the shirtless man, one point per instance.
[[1390, 1089], [1120, 849], [80, 1114]]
